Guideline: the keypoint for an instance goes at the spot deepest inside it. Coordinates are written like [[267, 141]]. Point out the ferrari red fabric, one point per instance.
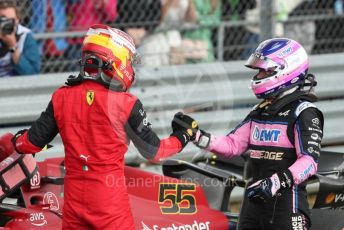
[[165, 150], [91, 121], [95, 125]]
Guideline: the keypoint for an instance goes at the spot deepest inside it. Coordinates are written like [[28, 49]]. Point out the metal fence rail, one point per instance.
[[58, 25], [216, 94]]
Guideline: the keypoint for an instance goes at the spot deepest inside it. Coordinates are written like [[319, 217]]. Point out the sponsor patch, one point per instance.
[[316, 121], [38, 219], [287, 182], [142, 112], [51, 199], [194, 124], [310, 149], [7, 161], [193, 226], [339, 198], [266, 135], [145, 121], [334, 198], [285, 52], [90, 97], [284, 114], [316, 130], [315, 136], [314, 143], [330, 198], [306, 173], [297, 222], [294, 80], [303, 106], [258, 154], [35, 181]]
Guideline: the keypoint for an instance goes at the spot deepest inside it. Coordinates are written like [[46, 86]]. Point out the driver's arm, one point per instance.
[[234, 144], [145, 139], [308, 133], [42, 131]]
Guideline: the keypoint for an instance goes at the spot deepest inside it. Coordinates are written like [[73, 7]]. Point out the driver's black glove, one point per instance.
[[185, 123], [182, 136], [267, 188]]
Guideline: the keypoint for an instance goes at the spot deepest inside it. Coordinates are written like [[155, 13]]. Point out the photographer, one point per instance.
[[19, 53]]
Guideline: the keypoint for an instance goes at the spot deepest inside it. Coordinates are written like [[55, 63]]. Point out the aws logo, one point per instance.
[[266, 135], [38, 219]]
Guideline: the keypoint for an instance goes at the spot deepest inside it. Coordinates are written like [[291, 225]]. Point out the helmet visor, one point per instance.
[[257, 61], [262, 74]]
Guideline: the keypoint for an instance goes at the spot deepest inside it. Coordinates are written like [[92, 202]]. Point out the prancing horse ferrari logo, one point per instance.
[[90, 97]]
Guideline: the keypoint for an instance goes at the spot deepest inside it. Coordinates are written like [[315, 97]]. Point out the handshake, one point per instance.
[[186, 129]]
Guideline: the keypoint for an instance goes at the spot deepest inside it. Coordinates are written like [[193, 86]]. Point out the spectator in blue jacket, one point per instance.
[[19, 54], [49, 16]]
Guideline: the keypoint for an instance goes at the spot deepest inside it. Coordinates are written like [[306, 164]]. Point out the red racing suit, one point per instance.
[[95, 125]]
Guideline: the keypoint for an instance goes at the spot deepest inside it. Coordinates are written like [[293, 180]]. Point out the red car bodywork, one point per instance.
[[157, 202]]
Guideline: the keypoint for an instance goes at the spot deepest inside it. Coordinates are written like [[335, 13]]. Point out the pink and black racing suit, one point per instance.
[[286, 139]]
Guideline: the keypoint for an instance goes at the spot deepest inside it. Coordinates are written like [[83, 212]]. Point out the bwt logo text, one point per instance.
[[266, 135]]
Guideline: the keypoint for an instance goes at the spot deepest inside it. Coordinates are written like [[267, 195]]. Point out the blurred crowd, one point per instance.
[[167, 32]]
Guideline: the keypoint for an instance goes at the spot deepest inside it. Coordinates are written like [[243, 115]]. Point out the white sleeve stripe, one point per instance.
[[301, 107]]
